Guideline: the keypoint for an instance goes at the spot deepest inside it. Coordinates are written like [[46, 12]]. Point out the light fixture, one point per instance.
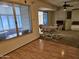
[[65, 9]]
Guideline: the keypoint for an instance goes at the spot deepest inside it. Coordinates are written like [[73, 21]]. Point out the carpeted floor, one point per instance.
[[70, 38]]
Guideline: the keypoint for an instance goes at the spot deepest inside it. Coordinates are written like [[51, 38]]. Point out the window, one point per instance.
[[43, 18], [1, 26], [19, 21], [14, 21], [11, 22], [23, 19], [5, 22]]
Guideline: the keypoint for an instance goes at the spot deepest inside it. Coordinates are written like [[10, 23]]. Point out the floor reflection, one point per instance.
[[62, 52], [41, 44]]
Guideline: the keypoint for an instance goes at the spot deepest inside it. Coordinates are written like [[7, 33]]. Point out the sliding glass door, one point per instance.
[[14, 20]]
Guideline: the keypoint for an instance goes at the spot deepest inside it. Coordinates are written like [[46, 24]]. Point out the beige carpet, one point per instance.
[[70, 38]]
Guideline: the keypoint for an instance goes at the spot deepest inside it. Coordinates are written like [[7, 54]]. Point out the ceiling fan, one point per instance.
[[66, 4]]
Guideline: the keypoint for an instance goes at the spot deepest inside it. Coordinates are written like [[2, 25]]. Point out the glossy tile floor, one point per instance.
[[44, 49]]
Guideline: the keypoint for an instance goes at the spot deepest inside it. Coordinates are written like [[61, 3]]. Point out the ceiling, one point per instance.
[[59, 3]]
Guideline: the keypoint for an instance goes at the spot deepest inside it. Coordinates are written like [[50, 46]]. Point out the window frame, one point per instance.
[[29, 14]]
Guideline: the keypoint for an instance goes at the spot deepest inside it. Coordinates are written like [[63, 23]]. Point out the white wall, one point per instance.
[[60, 15], [75, 15], [75, 27]]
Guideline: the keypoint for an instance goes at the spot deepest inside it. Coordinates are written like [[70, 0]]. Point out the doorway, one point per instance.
[[42, 19]]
